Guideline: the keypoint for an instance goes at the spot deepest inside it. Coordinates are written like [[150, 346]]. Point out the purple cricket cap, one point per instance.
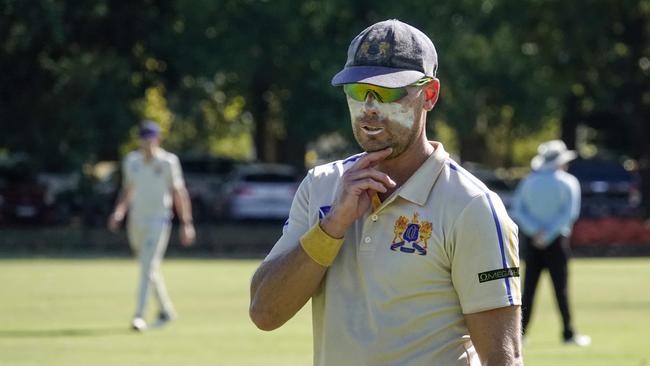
[[391, 54], [149, 129]]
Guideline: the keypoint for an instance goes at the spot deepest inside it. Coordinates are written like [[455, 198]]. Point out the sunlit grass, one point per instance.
[[77, 312]]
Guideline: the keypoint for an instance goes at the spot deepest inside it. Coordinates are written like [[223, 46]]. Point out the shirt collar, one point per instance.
[[419, 185]]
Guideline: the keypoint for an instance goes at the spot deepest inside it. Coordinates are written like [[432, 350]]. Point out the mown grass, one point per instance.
[[76, 312]]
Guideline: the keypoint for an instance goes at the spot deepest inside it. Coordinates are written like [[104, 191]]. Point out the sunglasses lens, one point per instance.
[[359, 92]]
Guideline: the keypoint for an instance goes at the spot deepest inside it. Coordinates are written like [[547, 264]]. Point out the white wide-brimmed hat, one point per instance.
[[552, 155]]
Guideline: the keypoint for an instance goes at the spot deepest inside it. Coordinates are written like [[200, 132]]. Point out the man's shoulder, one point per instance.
[[334, 169], [462, 183], [464, 192], [168, 157], [133, 156]]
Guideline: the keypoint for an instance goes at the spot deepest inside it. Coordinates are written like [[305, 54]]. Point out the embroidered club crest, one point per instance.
[[373, 51], [411, 236]]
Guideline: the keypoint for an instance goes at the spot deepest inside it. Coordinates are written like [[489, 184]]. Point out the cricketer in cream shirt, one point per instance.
[[152, 183], [440, 246]]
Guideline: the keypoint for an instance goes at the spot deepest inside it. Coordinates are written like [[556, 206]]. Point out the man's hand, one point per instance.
[[187, 234], [114, 221], [354, 196], [538, 240]]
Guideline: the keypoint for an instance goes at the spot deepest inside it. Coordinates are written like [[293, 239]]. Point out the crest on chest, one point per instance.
[[411, 236]]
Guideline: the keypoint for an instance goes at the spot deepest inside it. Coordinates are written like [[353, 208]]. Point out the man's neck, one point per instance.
[[149, 153]]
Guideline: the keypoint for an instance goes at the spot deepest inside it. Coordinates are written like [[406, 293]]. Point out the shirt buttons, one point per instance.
[[367, 240], [374, 217]]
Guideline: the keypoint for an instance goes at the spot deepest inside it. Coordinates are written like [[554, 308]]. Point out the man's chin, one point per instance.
[[392, 155], [370, 149]]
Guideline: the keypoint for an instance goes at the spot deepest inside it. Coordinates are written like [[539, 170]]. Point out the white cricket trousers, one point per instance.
[[148, 239]]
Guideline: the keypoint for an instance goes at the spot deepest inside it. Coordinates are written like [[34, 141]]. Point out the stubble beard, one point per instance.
[[399, 138]]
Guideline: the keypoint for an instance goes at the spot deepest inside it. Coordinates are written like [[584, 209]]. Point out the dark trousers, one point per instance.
[[555, 258]]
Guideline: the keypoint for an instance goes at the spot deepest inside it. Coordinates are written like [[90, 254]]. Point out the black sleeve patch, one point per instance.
[[498, 274]]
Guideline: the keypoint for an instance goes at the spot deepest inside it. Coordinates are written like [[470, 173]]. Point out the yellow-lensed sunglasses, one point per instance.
[[359, 91]]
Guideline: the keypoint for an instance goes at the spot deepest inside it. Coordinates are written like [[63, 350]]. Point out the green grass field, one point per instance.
[[76, 312]]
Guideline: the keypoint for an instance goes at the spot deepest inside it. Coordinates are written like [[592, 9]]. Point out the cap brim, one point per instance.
[[149, 135], [387, 77]]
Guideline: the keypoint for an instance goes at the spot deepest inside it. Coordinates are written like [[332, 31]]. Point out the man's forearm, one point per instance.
[[183, 206], [282, 286], [122, 204], [504, 359]]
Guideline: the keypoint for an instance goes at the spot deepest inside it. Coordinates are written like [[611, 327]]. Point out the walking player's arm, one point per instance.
[[496, 335], [123, 201], [183, 206], [283, 284], [182, 202]]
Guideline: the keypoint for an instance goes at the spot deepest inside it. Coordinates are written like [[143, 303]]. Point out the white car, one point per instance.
[[260, 191]]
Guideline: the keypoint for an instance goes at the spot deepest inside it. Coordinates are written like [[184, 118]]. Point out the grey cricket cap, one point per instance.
[[391, 54]]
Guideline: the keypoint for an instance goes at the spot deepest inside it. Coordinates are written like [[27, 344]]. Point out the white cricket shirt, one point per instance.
[[442, 245], [152, 183]]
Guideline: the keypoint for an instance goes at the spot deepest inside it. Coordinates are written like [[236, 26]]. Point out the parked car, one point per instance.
[[24, 197], [259, 191], [607, 188]]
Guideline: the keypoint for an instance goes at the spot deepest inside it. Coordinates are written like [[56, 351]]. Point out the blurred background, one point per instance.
[[242, 91], [240, 82]]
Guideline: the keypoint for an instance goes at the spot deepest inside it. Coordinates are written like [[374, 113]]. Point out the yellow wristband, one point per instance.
[[319, 246]]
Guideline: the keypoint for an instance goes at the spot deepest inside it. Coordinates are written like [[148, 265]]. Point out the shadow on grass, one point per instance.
[[53, 333]]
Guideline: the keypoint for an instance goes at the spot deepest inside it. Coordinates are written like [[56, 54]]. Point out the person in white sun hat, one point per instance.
[[545, 206]]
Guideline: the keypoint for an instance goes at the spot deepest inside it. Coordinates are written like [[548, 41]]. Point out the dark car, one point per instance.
[[24, 197], [608, 189]]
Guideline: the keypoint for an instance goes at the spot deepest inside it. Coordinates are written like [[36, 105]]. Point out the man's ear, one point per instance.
[[431, 92]]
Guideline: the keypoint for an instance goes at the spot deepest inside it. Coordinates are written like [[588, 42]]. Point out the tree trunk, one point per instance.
[[570, 121], [642, 143], [260, 112], [293, 149], [473, 148]]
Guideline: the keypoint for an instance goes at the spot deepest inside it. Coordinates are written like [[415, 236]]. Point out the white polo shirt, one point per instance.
[[152, 183], [442, 245]]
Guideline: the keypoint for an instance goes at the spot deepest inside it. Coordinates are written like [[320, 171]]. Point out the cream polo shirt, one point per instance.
[[439, 247], [152, 183]]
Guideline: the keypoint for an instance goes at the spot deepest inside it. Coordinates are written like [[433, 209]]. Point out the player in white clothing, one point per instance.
[[406, 257], [152, 178]]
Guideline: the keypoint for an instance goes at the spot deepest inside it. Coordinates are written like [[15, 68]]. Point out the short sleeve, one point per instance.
[[176, 173], [485, 256], [297, 224]]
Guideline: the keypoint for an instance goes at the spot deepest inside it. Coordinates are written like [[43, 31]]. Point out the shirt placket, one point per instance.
[[372, 230]]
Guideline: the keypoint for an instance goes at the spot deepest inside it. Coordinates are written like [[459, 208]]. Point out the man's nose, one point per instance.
[[370, 106]]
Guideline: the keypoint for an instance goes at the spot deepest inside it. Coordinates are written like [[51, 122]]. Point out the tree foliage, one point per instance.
[[78, 76]]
